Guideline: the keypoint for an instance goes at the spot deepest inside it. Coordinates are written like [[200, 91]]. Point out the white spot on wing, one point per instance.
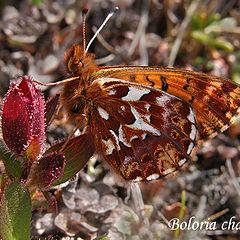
[[153, 177], [133, 137], [127, 159], [193, 132], [169, 170], [135, 93], [141, 124], [191, 116], [137, 179], [147, 106], [116, 139], [101, 81], [143, 136], [148, 118], [103, 113], [122, 137], [190, 147], [182, 161], [109, 146], [163, 100], [123, 108], [112, 92]]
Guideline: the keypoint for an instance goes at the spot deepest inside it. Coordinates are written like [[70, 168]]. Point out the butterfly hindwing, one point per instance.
[[142, 132]]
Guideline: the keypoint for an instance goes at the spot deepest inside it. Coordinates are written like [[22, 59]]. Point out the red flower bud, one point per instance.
[[48, 169], [23, 121]]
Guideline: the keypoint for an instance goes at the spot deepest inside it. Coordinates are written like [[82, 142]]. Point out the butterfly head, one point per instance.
[[79, 62], [74, 99]]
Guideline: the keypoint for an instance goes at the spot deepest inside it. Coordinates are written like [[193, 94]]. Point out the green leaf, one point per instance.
[[102, 238], [15, 213], [200, 36], [221, 44], [236, 77], [77, 153], [181, 214], [221, 26], [211, 41], [12, 164], [37, 2], [197, 23], [214, 18], [200, 21], [236, 67]]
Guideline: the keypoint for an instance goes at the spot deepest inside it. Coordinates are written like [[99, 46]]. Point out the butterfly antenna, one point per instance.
[[101, 27], [57, 83], [84, 14]]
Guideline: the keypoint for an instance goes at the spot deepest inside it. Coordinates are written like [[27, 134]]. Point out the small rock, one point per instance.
[[85, 198]]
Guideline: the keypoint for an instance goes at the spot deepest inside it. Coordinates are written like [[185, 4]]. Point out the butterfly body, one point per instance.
[[146, 121]]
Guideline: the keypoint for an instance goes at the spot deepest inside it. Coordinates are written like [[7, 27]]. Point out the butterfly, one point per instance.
[[146, 121]]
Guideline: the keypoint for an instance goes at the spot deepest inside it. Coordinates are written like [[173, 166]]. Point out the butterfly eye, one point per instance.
[[78, 107], [80, 63]]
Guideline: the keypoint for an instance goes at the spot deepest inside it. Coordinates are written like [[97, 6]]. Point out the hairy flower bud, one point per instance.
[[49, 169], [23, 121]]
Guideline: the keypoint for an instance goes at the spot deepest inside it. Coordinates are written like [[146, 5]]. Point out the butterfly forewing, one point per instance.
[[142, 132], [215, 101]]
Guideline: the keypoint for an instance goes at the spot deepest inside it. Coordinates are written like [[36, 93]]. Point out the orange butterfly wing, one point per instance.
[[215, 101], [143, 133], [145, 120]]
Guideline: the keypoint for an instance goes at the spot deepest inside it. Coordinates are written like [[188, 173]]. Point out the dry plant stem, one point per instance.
[[217, 215], [201, 211], [142, 43], [138, 202], [104, 43], [227, 6], [177, 43], [218, 232], [233, 178], [140, 34]]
